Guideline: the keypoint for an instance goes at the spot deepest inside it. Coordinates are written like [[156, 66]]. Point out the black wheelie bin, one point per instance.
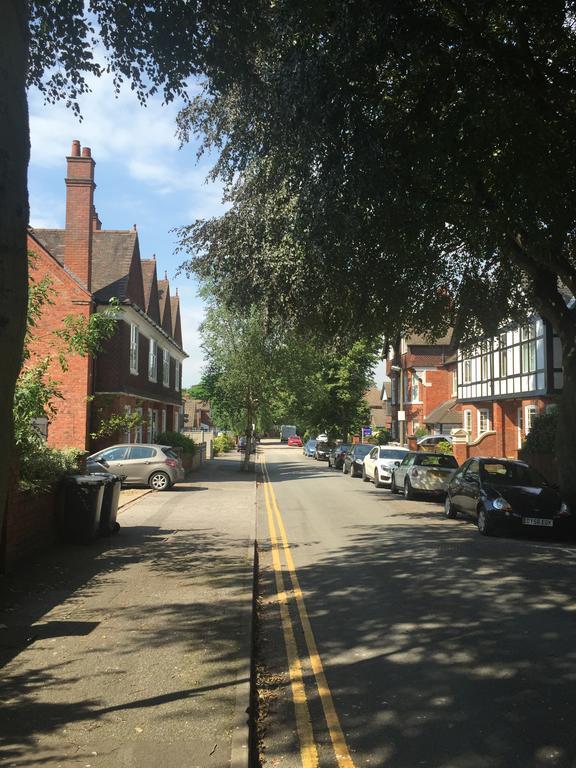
[[112, 487], [81, 507]]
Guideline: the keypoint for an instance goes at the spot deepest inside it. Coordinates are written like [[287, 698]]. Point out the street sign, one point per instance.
[[366, 431], [401, 415]]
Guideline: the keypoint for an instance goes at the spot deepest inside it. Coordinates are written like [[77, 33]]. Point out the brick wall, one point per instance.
[[29, 527], [69, 427]]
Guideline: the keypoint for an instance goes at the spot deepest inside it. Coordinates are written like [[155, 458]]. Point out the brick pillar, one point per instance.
[[79, 213]]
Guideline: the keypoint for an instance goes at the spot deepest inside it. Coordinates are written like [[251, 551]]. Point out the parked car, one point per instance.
[[430, 442], [295, 440], [337, 455], [241, 446], [380, 462], [309, 448], [322, 450], [354, 459], [155, 465], [423, 472], [496, 492]]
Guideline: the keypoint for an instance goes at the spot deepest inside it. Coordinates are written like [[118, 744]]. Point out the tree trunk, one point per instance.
[[566, 432], [14, 157]]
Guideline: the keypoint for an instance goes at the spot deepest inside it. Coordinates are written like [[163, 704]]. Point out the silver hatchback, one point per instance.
[[158, 466]]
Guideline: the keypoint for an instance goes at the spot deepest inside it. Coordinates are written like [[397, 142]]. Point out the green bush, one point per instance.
[[444, 447], [223, 444], [177, 440], [542, 436], [42, 468], [421, 432]]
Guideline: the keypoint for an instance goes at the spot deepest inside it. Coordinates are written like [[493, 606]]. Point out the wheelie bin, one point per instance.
[[112, 487], [81, 507]]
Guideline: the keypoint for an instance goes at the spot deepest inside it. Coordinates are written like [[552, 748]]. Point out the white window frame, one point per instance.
[[483, 414], [177, 375], [520, 426], [153, 361], [467, 371], [454, 383], [467, 422], [416, 384], [138, 427], [530, 413], [128, 432], [134, 344], [165, 368], [163, 420]]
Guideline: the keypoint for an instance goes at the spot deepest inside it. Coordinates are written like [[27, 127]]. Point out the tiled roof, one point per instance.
[[373, 397], [112, 254], [423, 340], [446, 413]]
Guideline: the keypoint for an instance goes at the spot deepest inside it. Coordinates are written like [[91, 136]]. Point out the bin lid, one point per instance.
[[84, 479], [108, 477]]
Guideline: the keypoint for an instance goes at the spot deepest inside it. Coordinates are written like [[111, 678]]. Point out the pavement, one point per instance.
[[135, 650]]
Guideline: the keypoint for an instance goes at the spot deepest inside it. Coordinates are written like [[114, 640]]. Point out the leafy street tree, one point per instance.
[[408, 164]]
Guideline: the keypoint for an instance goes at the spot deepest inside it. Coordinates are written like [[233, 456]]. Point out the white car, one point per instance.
[[380, 462], [423, 472], [430, 442]]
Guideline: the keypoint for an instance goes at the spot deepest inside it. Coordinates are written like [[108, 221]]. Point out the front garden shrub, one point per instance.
[[542, 436], [42, 468], [177, 440]]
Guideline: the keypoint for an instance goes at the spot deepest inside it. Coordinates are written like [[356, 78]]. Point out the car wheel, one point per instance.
[[393, 486], [449, 508], [377, 483], [352, 470], [365, 477], [485, 522], [344, 470], [159, 481], [408, 490]]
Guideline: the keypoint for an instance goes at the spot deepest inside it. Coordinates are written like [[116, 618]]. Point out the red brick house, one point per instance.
[[140, 367], [420, 382]]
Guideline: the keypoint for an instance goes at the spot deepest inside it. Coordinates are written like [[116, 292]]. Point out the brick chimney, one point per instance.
[[79, 213]]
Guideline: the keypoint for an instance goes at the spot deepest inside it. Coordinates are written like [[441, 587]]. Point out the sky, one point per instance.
[[142, 177]]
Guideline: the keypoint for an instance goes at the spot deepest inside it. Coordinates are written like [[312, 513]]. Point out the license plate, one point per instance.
[[538, 521]]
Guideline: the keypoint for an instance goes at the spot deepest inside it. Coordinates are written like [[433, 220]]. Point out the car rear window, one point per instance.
[[391, 453], [436, 460], [170, 453], [500, 472]]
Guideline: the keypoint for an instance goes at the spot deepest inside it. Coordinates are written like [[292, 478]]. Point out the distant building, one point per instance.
[[140, 367]]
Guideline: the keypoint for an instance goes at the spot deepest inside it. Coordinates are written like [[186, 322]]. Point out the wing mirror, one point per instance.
[[397, 463], [103, 462]]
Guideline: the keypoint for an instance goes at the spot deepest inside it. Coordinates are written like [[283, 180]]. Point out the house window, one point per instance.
[[531, 412], [503, 354], [134, 341], [163, 422], [454, 383], [177, 375], [138, 427], [415, 388], [520, 427], [153, 361], [467, 423], [485, 363], [528, 348], [128, 432], [483, 420], [467, 371], [165, 368], [152, 425]]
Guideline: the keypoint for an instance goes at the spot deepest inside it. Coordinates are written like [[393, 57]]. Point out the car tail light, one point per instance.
[[171, 463]]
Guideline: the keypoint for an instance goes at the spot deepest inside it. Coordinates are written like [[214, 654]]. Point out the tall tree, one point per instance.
[[405, 163]]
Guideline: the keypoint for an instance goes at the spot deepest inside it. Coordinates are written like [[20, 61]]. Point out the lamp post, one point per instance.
[[400, 370]]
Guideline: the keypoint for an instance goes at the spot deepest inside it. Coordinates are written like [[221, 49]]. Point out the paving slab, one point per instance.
[[134, 651]]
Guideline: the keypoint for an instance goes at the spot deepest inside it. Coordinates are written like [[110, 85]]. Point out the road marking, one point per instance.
[[333, 722], [308, 749]]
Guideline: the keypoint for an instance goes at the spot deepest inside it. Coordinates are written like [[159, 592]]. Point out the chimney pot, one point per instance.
[[86, 152], [75, 152]]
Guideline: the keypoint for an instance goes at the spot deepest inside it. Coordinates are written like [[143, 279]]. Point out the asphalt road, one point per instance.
[[440, 647]]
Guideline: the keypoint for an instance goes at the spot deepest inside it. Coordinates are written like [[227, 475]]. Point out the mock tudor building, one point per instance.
[[504, 382], [139, 369]]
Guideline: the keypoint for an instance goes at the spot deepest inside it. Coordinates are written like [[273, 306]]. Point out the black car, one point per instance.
[[501, 491], [337, 455], [322, 451], [354, 459]]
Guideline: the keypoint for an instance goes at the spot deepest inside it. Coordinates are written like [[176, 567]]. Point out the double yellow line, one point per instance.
[[279, 545]]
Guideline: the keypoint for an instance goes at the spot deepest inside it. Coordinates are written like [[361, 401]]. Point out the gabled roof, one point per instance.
[[176, 325], [165, 303], [423, 340], [373, 397], [150, 286]]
